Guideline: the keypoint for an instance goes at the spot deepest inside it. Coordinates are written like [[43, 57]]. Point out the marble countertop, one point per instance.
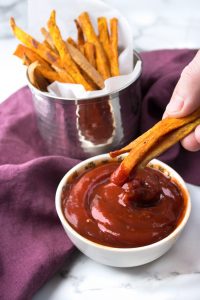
[[156, 24]]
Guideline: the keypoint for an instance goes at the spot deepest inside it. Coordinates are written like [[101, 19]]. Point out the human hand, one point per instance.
[[186, 99]]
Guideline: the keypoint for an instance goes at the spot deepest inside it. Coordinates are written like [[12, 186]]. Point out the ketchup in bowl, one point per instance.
[[146, 209]]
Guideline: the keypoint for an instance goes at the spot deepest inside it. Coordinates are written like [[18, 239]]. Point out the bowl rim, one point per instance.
[[65, 223], [36, 91]]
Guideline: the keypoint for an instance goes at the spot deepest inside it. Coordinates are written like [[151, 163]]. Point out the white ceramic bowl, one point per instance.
[[121, 257]]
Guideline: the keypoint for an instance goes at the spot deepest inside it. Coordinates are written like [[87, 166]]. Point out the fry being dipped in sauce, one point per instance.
[[142, 211], [129, 204]]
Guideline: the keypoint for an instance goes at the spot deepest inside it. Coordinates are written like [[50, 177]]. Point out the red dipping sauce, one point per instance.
[[143, 211]]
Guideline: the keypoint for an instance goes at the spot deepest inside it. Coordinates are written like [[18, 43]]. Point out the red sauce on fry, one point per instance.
[[143, 211]]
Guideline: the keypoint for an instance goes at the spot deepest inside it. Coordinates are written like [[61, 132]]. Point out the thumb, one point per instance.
[[186, 96]]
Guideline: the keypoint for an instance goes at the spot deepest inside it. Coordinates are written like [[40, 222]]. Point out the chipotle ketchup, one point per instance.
[[144, 210]]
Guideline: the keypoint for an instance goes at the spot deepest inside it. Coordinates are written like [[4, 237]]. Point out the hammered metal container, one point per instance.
[[87, 127]]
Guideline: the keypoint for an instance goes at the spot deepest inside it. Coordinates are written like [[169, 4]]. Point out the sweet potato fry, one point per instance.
[[26, 61], [80, 37], [46, 44], [169, 140], [52, 75], [72, 42], [83, 63], [22, 50], [114, 63], [64, 75], [36, 78], [104, 35], [48, 39], [39, 48], [47, 72], [86, 62], [142, 146], [101, 59], [28, 57], [81, 49], [66, 59], [89, 52], [165, 126]]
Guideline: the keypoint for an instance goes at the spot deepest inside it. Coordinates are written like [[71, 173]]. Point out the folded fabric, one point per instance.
[[33, 243]]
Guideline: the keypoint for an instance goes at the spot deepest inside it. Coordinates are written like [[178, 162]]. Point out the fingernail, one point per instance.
[[175, 105]]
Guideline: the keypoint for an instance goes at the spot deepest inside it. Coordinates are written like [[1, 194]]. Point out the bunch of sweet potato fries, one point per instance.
[[88, 61]]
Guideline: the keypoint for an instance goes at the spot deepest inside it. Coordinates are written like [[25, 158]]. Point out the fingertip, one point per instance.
[[165, 115], [190, 143], [175, 106]]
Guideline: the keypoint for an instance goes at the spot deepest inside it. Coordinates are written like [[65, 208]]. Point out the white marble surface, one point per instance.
[[156, 24]]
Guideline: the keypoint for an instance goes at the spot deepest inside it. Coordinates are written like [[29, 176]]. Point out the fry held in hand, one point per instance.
[[88, 61], [152, 143], [169, 140]]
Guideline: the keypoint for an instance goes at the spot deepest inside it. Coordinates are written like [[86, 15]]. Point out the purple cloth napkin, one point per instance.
[[33, 243]]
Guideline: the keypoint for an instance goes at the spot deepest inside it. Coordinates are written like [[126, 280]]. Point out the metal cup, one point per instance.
[[87, 127]]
